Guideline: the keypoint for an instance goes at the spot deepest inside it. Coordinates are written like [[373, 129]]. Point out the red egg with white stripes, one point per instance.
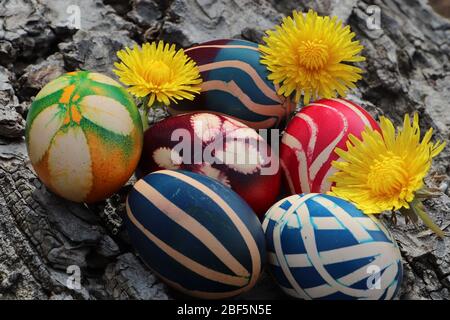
[[308, 144]]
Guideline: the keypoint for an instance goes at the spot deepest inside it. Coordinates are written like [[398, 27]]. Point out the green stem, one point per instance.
[[144, 119], [427, 193], [418, 208], [143, 110]]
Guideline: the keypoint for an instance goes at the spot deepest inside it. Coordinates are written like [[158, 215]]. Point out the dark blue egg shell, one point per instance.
[[235, 83], [161, 240]]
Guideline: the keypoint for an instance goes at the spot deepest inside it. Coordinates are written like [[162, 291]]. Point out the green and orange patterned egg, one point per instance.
[[84, 136]]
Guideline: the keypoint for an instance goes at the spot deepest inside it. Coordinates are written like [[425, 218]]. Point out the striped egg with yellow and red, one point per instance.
[[235, 83], [84, 136], [219, 147], [196, 234], [308, 144]]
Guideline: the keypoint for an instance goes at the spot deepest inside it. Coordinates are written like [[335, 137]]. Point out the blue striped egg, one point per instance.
[[195, 233], [235, 83], [323, 247]]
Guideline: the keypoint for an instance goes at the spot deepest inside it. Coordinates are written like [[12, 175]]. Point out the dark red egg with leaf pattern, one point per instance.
[[216, 146]]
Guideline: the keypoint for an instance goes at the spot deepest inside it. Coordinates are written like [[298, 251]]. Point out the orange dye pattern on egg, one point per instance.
[[67, 118], [67, 94], [110, 166], [98, 91], [43, 171], [76, 115]]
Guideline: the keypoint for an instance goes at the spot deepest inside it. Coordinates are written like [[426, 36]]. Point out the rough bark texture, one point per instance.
[[407, 70]]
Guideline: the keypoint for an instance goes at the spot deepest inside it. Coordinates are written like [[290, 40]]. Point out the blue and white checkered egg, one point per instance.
[[195, 233], [323, 247]]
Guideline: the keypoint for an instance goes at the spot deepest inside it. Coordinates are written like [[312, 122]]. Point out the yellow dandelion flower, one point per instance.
[[385, 171], [159, 72], [309, 54]]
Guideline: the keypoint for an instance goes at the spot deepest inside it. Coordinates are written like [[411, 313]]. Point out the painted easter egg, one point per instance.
[[323, 247], [84, 136], [308, 144], [219, 147], [196, 234], [235, 84]]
